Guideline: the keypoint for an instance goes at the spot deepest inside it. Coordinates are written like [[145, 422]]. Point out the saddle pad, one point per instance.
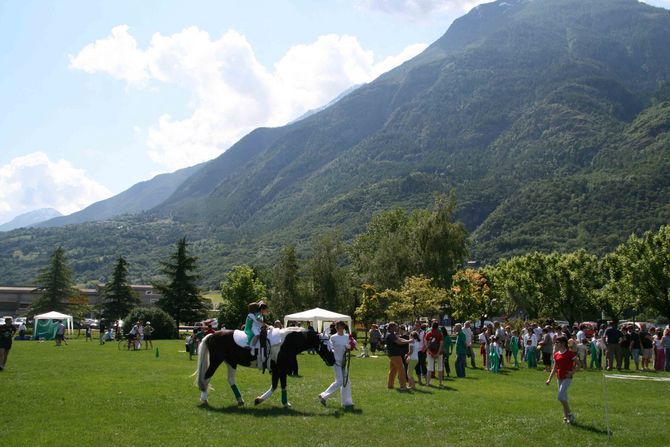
[[276, 336], [240, 338]]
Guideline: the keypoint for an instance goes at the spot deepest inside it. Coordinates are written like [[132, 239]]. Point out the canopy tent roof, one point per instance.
[[53, 315], [317, 317]]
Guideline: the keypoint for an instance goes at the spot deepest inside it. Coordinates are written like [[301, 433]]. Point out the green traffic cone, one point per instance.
[[157, 352]]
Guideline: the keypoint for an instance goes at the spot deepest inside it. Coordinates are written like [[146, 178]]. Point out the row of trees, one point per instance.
[[181, 298], [632, 280], [405, 265]]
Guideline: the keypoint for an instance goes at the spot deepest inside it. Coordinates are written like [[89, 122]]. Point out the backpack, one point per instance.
[[433, 344]]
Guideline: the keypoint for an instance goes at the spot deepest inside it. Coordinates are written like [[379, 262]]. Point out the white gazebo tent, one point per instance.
[[317, 317], [53, 315]]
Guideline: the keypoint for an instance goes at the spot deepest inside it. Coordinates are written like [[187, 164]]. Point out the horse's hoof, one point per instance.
[[287, 405], [258, 401], [204, 403], [240, 403]]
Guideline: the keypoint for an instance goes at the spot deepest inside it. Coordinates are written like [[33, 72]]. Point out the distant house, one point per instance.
[[17, 300]]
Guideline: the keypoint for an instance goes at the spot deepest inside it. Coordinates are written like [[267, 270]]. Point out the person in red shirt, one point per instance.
[[564, 367], [434, 345]]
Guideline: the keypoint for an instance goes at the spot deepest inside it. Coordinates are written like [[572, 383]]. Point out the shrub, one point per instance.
[[163, 324]]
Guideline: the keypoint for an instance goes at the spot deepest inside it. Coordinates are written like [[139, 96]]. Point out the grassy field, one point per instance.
[[91, 395]]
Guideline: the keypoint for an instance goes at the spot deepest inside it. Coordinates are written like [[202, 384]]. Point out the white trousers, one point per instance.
[[432, 360], [345, 391]]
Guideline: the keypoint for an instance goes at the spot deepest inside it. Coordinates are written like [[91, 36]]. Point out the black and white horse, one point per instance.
[[221, 347]]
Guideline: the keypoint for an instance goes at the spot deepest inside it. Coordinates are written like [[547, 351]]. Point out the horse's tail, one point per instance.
[[203, 364]]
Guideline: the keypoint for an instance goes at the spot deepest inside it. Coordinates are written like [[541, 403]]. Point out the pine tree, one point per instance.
[[119, 296], [180, 295], [56, 286]]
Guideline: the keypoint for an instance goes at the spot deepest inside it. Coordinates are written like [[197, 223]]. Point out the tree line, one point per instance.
[[403, 266]]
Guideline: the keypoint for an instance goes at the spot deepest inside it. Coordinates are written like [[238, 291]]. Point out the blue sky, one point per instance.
[[99, 95]]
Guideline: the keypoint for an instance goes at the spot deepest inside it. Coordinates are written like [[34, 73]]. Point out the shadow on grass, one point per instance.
[[439, 388], [276, 411], [589, 428], [503, 372], [418, 390]]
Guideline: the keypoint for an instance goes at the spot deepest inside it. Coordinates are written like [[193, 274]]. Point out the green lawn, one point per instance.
[[91, 395]]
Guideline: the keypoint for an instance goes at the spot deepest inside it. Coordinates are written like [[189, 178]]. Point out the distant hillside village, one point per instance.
[[16, 301]]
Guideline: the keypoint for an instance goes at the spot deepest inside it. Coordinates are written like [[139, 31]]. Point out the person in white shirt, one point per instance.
[[131, 337], [412, 359], [581, 335], [140, 335], [468, 343], [22, 330], [341, 343]]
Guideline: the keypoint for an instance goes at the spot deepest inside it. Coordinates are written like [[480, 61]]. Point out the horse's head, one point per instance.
[[322, 346]]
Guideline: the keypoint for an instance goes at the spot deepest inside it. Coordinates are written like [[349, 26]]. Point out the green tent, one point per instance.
[[46, 324]]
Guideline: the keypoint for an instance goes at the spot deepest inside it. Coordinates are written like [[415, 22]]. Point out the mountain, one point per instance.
[[550, 119], [317, 110], [30, 218], [140, 197], [515, 92]]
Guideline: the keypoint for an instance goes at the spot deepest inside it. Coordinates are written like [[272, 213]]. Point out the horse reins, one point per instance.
[[346, 363]]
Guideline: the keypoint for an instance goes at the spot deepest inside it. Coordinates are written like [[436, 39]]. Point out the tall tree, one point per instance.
[[56, 285], [442, 243], [240, 287], [286, 297], [181, 297], [119, 297]]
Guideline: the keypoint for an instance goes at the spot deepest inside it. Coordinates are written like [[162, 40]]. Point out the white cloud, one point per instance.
[[231, 91], [33, 181], [417, 9], [117, 55]]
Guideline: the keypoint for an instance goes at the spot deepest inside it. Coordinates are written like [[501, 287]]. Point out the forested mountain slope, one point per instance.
[[548, 117]]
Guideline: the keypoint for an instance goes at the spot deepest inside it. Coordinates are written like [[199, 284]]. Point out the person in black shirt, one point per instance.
[[396, 347], [612, 338], [7, 332]]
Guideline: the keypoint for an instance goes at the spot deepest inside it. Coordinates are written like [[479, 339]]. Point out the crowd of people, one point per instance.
[[500, 345], [415, 353]]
